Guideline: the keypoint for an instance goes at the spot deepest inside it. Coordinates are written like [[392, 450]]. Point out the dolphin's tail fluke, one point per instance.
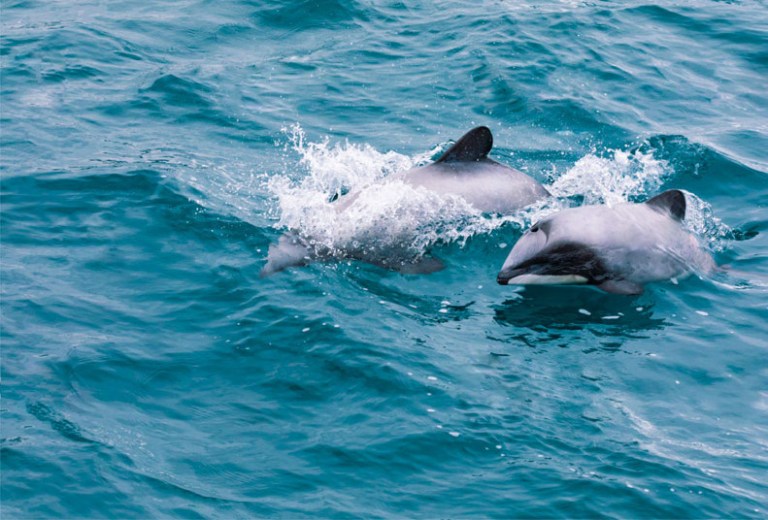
[[290, 251]]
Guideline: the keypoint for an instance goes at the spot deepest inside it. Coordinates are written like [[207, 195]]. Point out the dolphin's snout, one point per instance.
[[506, 274]]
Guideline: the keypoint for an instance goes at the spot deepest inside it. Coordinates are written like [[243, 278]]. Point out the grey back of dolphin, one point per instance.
[[618, 249], [463, 170]]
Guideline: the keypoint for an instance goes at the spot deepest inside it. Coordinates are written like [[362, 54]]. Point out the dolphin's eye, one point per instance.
[[542, 225]]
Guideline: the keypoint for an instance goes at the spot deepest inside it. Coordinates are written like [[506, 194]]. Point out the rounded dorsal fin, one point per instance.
[[670, 201], [473, 146]]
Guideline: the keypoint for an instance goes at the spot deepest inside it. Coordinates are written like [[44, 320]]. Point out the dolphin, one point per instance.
[[617, 249], [463, 170]]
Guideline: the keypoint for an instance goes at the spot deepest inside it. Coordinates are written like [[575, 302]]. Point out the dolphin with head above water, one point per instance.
[[464, 170], [617, 249]]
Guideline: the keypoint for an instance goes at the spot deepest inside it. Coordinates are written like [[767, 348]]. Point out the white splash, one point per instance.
[[618, 177], [330, 168], [701, 221]]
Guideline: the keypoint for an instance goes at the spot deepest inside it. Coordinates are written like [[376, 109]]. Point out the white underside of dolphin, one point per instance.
[[464, 171]]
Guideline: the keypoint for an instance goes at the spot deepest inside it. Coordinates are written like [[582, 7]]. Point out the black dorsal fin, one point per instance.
[[670, 201], [473, 146]]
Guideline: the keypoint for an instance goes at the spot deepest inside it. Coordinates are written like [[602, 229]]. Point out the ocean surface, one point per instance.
[[152, 152]]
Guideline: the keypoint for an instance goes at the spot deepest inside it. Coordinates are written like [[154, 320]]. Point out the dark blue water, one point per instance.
[[151, 153]]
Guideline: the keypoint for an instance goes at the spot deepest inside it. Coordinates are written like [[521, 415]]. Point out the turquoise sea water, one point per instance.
[[152, 151]]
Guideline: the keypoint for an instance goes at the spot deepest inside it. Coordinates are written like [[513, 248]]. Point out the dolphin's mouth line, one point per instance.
[[504, 276], [528, 268]]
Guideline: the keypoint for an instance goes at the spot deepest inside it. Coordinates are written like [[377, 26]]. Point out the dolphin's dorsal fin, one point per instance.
[[671, 201], [473, 146]]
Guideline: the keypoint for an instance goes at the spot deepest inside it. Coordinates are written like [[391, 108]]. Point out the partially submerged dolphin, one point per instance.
[[617, 249], [463, 170]]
